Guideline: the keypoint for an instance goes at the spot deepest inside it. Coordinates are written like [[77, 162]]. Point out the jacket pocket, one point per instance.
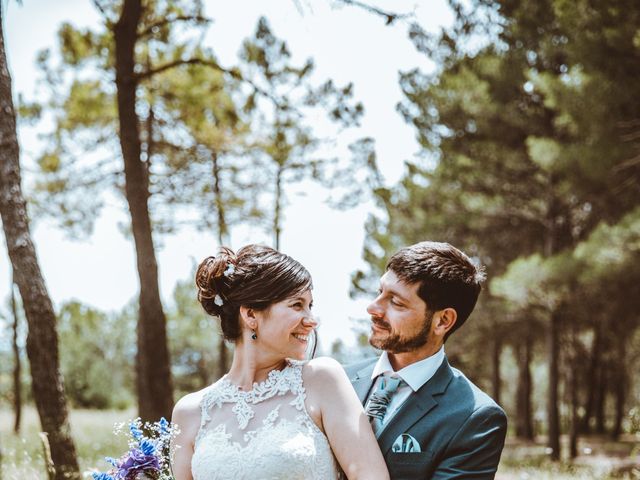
[[410, 466]]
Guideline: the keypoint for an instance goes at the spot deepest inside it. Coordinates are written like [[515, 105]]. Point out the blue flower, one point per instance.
[[164, 426], [101, 476], [148, 447], [148, 456], [136, 433]]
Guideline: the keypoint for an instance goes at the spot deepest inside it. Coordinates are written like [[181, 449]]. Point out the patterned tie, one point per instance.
[[379, 401]]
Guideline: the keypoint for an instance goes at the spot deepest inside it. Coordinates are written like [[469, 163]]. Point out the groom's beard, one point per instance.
[[394, 342]]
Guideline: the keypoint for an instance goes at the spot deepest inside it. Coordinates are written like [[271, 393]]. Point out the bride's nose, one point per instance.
[[309, 321]]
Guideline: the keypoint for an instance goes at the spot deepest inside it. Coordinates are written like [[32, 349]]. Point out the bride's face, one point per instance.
[[285, 328]]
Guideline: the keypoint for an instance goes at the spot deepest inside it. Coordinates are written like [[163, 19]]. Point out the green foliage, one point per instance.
[[529, 136], [193, 339], [185, 110], [283, 122], [97, 353]]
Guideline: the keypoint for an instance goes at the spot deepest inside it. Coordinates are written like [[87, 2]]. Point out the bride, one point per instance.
[[272, 416]]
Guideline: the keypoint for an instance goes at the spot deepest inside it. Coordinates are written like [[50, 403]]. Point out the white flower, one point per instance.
[[218, 300], [229, 271]]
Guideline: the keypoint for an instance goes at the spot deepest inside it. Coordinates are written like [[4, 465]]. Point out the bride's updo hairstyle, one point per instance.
[[256, 277]]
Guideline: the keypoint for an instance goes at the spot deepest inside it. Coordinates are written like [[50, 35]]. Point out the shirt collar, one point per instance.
[[414, 375]]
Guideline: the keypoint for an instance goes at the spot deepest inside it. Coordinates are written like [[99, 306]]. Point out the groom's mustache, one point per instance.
[[380, 323]]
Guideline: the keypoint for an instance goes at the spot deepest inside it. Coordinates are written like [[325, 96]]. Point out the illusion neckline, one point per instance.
[[273, 375]]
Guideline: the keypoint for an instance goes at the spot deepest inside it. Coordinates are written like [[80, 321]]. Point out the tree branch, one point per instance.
[[182, 18], [190, 61], [390, 17], [100, 8], [208, 63]]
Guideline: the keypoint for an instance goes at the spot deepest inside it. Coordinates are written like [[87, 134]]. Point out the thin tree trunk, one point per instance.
[[601, 398], [223, 229], [552, 406], [155, 392], [277, 209], [524, 423], [497, 382], [551, 247], [620, 389], [42, 339], [17, 365], [573, 386], [594, 385], [223, 238]]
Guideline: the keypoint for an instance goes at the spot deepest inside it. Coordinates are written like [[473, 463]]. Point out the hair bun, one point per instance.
[[212, 280]]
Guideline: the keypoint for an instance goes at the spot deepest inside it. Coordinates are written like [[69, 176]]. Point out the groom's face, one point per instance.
[[400, 319]]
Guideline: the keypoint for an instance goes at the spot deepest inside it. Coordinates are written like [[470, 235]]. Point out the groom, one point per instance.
[[430, 420]]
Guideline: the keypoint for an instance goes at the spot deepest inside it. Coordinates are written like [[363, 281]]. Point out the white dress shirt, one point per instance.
[[414, 377]]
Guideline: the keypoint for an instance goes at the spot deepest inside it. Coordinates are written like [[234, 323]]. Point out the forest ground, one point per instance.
[[22, 455]]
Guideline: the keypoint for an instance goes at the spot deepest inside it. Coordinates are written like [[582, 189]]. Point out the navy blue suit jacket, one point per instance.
[[460, 429]]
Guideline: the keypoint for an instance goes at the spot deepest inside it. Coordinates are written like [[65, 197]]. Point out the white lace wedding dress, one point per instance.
[[265, 433]]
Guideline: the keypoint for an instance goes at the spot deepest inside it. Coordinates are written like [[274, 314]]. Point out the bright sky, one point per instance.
[[347, 45]]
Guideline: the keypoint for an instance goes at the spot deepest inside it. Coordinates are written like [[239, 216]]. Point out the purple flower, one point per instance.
[[136, 462]]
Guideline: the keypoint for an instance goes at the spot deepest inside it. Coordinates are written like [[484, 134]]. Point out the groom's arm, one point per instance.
[[474, 451]]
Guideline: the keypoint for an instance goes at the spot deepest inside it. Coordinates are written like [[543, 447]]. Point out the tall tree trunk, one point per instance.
[[524, 423], [553, 334], [223, 229], [552, 405], [223, 239], [620, 389], [601, 398], [594, 385], [17, 365], [155, 392], [496, 380], [42, 339], [573, 387], [277, 209]]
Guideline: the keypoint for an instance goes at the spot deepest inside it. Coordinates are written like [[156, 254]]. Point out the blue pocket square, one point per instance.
[[405, 443]]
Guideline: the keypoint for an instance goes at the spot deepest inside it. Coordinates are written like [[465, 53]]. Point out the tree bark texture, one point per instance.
[[17, 365], [42, 339], [155, 391], [223, 238]]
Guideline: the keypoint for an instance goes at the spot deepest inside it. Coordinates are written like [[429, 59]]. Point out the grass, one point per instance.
[[599, 459], [22, 456]]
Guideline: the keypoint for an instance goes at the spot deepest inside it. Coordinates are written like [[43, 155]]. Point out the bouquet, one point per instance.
[[148, 457]]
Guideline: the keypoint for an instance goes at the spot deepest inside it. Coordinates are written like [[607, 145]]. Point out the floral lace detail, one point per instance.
[[278, 382], [285, 444]]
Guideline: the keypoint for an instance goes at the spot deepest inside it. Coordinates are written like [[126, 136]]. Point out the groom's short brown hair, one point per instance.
[[447, 277]]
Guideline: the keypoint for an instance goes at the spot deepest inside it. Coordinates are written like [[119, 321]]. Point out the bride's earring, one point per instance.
[[254, 335]]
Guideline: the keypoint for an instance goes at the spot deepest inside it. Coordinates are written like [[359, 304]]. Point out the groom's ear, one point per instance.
[[444, 320]]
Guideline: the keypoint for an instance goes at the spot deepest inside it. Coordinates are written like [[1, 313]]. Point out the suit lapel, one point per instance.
[[362, 382], [416, 406]]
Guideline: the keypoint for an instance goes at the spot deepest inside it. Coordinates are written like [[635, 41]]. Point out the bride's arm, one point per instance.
[[186, 415], [334, 406]]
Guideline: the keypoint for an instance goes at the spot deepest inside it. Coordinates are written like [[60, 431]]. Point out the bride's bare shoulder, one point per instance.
[[323, 369], [187, 411]]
